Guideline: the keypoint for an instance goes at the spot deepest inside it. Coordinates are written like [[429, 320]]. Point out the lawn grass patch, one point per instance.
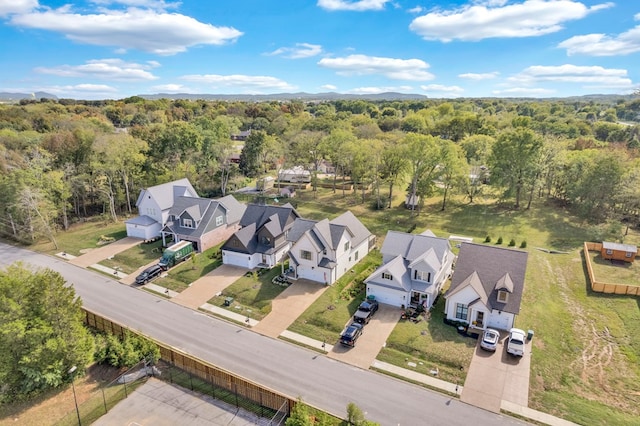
[[252, 294], [82, 236], [615, 272], [327, 316], [132, 259], [432, 345]]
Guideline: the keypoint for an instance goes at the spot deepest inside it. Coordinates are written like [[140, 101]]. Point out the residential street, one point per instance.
[[292, 370]]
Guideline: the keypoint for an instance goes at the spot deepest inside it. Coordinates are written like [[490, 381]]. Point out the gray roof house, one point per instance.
[[204, 222], [322, 251], [153, 206], [261, 240], [486, 286], [414, 269]]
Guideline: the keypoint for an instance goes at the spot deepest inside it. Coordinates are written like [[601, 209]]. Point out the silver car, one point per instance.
[[490, 339]]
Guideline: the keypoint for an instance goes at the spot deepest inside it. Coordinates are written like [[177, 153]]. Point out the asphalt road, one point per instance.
[[320, 381]]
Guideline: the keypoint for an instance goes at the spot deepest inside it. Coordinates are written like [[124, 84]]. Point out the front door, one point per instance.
[[479, 322], [265, 259]]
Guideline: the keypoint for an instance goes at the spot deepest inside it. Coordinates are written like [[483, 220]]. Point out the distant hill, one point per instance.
[[302, 96], [17, 97]]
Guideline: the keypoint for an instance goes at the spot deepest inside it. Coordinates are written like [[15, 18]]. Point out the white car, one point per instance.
[[490, 339], [515, 342]]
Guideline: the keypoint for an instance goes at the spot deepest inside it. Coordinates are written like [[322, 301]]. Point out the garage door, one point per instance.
[[136, 231], [386, 295], [501, 322], [233, 258]]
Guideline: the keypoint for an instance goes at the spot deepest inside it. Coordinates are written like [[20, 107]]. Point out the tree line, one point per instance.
[[65, 160]]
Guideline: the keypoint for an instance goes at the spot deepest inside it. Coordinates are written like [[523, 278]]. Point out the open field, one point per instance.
[[83, 235]]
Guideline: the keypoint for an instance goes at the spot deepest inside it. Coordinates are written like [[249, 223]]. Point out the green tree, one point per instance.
[[453, 169], [514, 161], [393, 164], [299, 415], [252, 153], [424, 156], [41, 331]]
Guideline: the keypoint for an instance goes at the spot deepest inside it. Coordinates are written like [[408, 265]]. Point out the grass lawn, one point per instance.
[[130, 260], [614, 272], [252, 294], [586, 349], [82, 236], [327, 316], [430, 344]]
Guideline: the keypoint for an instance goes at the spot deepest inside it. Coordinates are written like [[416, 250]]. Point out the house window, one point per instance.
[[187, 223], [628, 254], [306, 255], [218, 220], [346, 246], [503, 296], [462, 311], [387, 276], [355, 256], [609, 251], [265, 240], [423, 276]]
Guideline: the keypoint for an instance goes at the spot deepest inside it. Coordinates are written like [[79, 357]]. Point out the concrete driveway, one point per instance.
[[497, 376], [204, 288], [97, 254], [288, 306], [373, 338]]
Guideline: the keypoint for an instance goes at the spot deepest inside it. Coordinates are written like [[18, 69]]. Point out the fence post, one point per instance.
[[235, 386], [104, 401]]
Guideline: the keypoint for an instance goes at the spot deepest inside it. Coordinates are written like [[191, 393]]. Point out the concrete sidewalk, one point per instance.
[[95, 255], [204, 288]]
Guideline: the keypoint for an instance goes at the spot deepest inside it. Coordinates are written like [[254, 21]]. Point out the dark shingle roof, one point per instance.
[[489, 268]]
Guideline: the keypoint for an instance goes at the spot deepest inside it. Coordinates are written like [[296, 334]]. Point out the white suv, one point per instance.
[[515, 342]]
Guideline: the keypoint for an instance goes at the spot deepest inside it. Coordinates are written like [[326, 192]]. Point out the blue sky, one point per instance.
[[443, 49]]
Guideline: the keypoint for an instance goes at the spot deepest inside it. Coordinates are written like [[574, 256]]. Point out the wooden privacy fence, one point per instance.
[[199, 368], [602, 287]]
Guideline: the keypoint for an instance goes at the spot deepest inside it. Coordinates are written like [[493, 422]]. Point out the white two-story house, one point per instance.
[[414, 269], [323, 251]]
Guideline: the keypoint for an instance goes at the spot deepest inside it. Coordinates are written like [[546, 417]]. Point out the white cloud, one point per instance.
[[151, 4], [328, 87], [107, 69], [524, 91], [439, 88], [8, 7], [584, 75], [249, 82], [301, 50], [354, 5], [171, 88], [146, 30], [604, 45], [396, 69], [416, 9], [497, 19], [479, 76], [372, 90], [81, 91]]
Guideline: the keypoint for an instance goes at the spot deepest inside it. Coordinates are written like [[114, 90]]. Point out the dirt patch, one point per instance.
[[48, 408]]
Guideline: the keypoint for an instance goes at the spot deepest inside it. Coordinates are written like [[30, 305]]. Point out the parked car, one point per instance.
[[350, 334], [490, 339], [365, 311], [148, 274], [515, 342]]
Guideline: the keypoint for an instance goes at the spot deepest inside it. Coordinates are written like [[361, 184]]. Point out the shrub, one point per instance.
[[512, 243], [499, 240], [488, 239], [523, 244]]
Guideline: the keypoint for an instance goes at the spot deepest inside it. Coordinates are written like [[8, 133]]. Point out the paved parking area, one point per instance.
[[373, 338], [204, 288], [159, 403], [97, 254], [288, 306], [497, 376]]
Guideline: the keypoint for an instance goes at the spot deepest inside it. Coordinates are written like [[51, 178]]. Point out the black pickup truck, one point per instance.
[[365, 311]]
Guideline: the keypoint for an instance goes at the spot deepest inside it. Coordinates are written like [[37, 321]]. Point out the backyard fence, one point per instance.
[[219, 383], [604, 287]]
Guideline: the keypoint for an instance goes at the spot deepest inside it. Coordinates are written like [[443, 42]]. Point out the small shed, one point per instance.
[[288, 192], [617, 251], [265, 183], [411, 201]]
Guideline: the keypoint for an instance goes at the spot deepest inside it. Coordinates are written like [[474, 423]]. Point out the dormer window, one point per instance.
[[422, 276], [503, 296], [387, 276], [187, 223], [219, 220]]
